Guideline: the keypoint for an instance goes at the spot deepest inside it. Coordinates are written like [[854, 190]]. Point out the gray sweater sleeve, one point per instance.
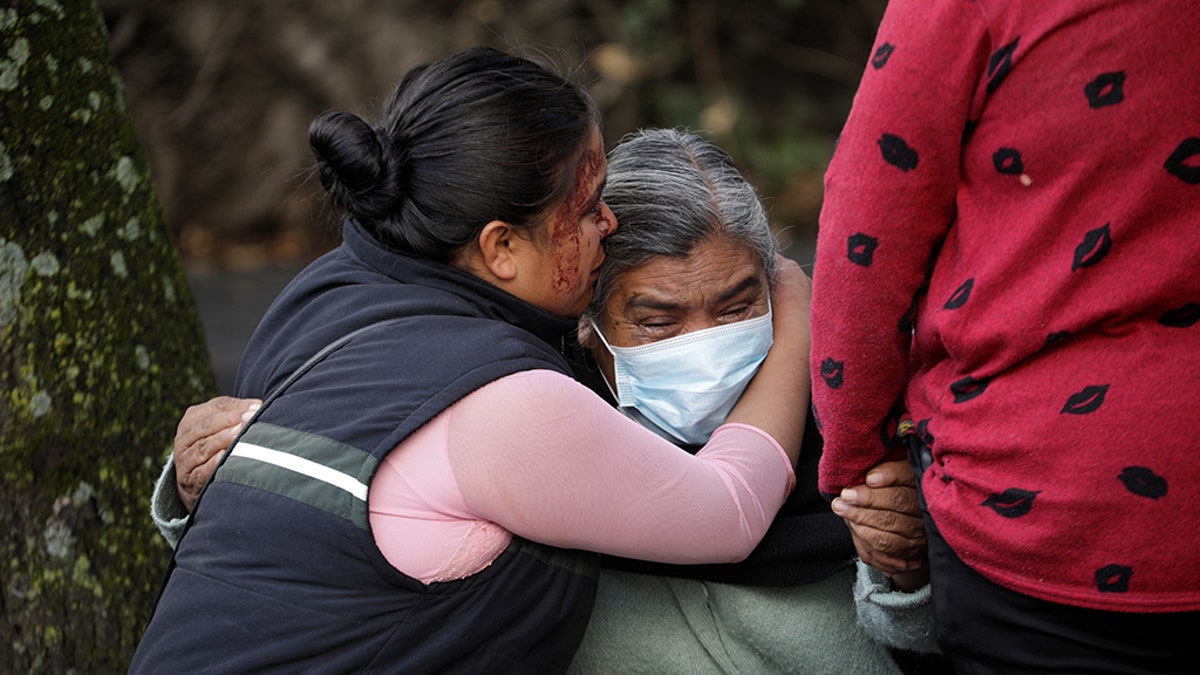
[[166, 508], [894, 618]]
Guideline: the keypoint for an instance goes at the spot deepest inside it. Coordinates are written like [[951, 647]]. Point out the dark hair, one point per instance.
[[671, 190], [478, 136]]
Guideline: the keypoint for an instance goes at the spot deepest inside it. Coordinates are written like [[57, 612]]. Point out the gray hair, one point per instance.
[[671, 190]]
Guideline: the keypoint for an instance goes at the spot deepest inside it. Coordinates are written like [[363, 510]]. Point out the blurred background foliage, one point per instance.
[[222, 92]]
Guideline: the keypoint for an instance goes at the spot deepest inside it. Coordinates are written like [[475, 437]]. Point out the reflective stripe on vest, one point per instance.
[[308, 468]]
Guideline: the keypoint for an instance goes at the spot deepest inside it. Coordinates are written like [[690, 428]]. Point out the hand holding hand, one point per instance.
[[885, 523]]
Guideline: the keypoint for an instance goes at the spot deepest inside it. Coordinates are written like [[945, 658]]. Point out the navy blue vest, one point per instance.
[[279, 570]]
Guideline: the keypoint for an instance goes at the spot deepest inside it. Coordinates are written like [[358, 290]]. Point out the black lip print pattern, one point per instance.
[[1107, 89], [1012, 503], [1000, 64], [1095, 245], [1113, 578], [1181, 317], [898, 153], [968, 388], [960, 296], [1055, 337], [922, 432], [1008, 162], [861, 249], [881, 56], [1088, 400], [832, 372], [1178, 166], [1143, 482]]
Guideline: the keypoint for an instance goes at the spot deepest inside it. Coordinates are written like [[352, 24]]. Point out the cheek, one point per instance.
[[567, 245]]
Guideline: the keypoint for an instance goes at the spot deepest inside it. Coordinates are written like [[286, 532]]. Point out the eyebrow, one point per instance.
[[642, 301]]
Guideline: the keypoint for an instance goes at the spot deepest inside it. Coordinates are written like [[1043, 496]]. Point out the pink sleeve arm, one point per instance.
[[544, 457]]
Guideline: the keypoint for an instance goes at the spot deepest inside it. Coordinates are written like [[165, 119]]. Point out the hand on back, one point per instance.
[[203, 434]]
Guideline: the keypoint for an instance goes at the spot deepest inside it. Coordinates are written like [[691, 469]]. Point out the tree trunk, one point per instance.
[[102, 348]]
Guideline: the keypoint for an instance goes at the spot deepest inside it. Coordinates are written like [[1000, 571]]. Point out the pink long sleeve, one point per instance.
[[539, 455]]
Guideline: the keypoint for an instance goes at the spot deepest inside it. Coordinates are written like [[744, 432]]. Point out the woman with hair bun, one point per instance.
[[425, 486]]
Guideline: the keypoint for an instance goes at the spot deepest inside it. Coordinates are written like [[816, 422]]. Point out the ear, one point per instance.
[[500, 248], [584, 334]]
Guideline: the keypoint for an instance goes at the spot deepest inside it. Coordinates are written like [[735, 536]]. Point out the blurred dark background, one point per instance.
[[222, 92]]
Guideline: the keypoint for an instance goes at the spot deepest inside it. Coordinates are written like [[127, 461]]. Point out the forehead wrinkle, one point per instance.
[[650, 300], [644, 301], [714, 272]]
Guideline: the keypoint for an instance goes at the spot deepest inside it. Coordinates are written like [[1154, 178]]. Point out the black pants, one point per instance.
[[985, 628]]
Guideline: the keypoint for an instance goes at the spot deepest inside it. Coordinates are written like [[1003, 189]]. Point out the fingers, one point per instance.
[[888, 532], [889, 565], [862, 500], [888, 545], [894, 473], [205, 431], [885, 523], [791, 298], [864, 544], [907, 573], [887, 520], [199, 478], [205, 419], [791, 279]]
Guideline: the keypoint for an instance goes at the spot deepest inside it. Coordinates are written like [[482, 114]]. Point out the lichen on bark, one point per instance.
[[101, 352]]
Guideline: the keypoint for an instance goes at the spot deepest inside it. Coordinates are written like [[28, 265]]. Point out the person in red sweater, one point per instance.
[[1008, 285]]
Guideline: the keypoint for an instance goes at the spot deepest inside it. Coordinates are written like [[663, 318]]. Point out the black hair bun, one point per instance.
[[360, 166]]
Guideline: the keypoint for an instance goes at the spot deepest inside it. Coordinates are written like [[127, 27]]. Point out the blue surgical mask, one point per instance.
[[686, 385]]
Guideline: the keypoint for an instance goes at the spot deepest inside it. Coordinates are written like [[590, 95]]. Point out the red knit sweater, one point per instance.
[[1009, 258]]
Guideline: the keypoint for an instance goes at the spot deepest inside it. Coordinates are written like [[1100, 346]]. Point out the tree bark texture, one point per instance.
[[102, 349]]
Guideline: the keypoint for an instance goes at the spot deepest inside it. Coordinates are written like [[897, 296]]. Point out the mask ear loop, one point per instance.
[[600, 334]]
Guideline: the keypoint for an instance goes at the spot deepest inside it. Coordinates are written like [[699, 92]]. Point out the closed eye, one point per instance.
[[739, 312], [657, 328]]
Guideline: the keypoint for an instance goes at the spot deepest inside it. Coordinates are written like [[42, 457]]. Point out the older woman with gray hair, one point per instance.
[[678, 324], [672, 331]]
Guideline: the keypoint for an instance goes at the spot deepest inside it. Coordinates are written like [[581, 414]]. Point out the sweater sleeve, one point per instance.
[[166, 508], [895, 618], [545, 458], [889, 201]]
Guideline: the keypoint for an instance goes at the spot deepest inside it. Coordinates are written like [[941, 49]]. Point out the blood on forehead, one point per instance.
[[580, 200], [565, 235]]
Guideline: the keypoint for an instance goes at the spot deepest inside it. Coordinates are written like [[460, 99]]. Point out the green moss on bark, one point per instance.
[[102, 349]]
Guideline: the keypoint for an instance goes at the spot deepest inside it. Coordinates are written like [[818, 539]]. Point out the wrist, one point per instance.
[[910, 581]]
